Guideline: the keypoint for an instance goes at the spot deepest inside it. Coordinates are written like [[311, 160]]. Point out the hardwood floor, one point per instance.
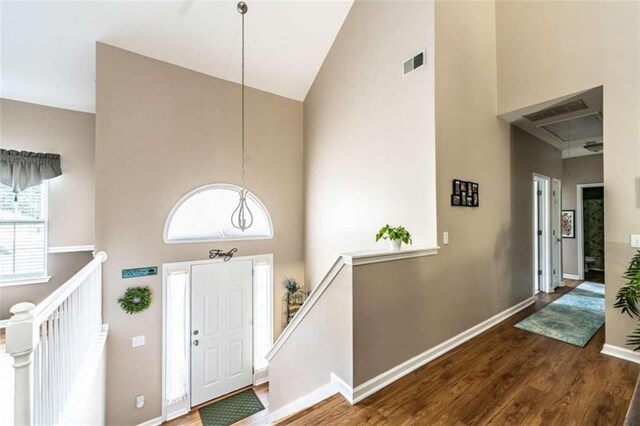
[[504, 376], [260, 418]]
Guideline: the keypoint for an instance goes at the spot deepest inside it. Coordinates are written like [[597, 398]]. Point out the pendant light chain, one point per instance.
[[242, 218], [243, 185]]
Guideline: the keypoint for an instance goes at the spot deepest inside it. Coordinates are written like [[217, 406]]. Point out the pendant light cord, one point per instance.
[[243, 185]]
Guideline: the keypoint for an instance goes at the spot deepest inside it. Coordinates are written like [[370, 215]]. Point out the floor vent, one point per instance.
[[557, 110], [413, 63]]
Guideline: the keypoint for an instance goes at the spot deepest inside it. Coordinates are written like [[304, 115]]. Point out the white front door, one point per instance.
[[556, 236], [221, 329]]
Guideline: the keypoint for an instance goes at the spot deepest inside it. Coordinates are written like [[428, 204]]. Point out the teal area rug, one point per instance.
[[232, 409], [573, 318]]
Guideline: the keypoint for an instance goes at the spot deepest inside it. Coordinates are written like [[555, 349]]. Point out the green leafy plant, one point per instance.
[[135, 299], [390, 233], [627, 298], [291, 285]]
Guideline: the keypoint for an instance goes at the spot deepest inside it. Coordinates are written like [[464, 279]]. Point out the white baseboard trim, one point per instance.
[[371, 386], [343, 387], [570, 276], [261, 377], [153, 422], [303, 402], [622, 353]]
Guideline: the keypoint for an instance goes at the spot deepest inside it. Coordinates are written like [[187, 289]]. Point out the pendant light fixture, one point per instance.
[[242, 218]]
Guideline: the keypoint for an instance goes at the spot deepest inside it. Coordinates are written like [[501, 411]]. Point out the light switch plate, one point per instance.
[[137, 341], [139, 401], [445, 238], [635, 240]]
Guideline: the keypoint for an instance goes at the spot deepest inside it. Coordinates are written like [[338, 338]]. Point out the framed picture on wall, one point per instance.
[[568, 223], [465, 193]]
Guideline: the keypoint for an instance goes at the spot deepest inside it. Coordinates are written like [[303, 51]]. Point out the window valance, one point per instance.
[[20, 170]]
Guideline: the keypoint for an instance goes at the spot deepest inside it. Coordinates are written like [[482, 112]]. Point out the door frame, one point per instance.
[[580, 223], [261, 376], [558, 217], [546, 284]]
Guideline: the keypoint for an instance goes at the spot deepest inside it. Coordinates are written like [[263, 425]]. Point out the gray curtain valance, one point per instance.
[[20, 170]]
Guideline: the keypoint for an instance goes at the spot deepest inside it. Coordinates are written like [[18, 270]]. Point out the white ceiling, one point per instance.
[[48, 47], [572, 130]]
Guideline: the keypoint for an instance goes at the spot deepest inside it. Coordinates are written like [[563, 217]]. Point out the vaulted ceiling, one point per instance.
[[48, 47]]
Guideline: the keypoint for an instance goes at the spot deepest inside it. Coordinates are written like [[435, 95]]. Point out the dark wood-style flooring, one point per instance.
[[505, 376]]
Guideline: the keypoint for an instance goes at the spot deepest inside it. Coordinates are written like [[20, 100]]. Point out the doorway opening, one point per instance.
[[547, 244], [590, 231], [217, 329]]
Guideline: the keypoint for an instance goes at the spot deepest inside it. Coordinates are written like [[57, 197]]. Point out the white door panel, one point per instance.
[[556, 236], [221, 329]]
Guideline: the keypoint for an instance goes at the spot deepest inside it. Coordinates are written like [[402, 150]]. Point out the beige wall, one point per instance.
[[162, 130], [551, 49], [30, 127], [62, 266], [322, 344], [576, 171], [369, 135], [529, 155], [71, 134], [486, 268]]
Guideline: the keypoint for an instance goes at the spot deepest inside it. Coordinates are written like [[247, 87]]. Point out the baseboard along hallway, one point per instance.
[[503, 376]]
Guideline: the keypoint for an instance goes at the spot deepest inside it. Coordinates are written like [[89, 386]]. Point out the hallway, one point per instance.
[[503, 376]]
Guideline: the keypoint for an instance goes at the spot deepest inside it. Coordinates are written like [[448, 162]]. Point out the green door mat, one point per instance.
[[231, 410], [573, 318]]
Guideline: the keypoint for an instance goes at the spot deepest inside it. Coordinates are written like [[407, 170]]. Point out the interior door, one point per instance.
[[538, 231], [556, 236], [221, 329]]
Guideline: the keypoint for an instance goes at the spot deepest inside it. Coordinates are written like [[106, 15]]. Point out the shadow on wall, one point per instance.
[[528, 155]]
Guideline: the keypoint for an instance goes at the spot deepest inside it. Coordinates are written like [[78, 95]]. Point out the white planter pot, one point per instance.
[[395, 244]]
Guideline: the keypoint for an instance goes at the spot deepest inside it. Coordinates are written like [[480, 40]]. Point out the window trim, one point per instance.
[[207, 187], [26, 279]]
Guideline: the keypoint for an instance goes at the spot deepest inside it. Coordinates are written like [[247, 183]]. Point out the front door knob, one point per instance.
[[196, 343]]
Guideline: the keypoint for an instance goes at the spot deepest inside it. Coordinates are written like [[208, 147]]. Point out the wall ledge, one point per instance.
[[377, 256], [622, 353]]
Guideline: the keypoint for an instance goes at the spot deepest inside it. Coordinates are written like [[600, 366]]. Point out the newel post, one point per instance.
[[22, 338]]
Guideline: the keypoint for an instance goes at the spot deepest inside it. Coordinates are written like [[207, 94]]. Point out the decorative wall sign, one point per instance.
[[216, 253], [568, 224], [465, 194], [140, 272]]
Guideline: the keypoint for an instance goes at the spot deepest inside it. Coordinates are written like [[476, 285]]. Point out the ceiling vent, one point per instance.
[[413, 63], [557, 110]]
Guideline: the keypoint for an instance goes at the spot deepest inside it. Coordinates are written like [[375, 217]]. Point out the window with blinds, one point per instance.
[[23, 233]]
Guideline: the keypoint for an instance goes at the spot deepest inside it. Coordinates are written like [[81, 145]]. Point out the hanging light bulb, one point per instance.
[[242, 218]]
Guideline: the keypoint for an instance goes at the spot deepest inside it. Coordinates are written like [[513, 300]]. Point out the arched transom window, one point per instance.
[[204, 214]]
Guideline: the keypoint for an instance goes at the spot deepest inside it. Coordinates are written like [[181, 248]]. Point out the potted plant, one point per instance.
[[396, 236], [627, 298]]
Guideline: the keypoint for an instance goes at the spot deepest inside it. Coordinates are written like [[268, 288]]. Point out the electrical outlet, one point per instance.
[[635, 240], [137, 341], [139, 401], [445, 238]]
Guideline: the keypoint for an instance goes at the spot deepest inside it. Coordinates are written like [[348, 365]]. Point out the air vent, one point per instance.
[[413, 63], [557, 110]]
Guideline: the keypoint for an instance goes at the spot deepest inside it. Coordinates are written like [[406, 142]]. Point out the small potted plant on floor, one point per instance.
[[396, 236]]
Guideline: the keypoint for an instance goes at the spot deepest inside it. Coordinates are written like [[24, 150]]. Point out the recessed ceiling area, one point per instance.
[[48, 47], [572, 124]]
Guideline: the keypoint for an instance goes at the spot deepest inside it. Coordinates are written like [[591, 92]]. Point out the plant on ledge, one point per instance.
[[627, 298], [396, 236]]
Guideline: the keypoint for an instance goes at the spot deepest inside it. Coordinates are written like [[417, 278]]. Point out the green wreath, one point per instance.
[[135, 299]]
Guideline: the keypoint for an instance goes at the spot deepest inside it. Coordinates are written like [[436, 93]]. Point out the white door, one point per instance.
[[556, 236], [221, 329]]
